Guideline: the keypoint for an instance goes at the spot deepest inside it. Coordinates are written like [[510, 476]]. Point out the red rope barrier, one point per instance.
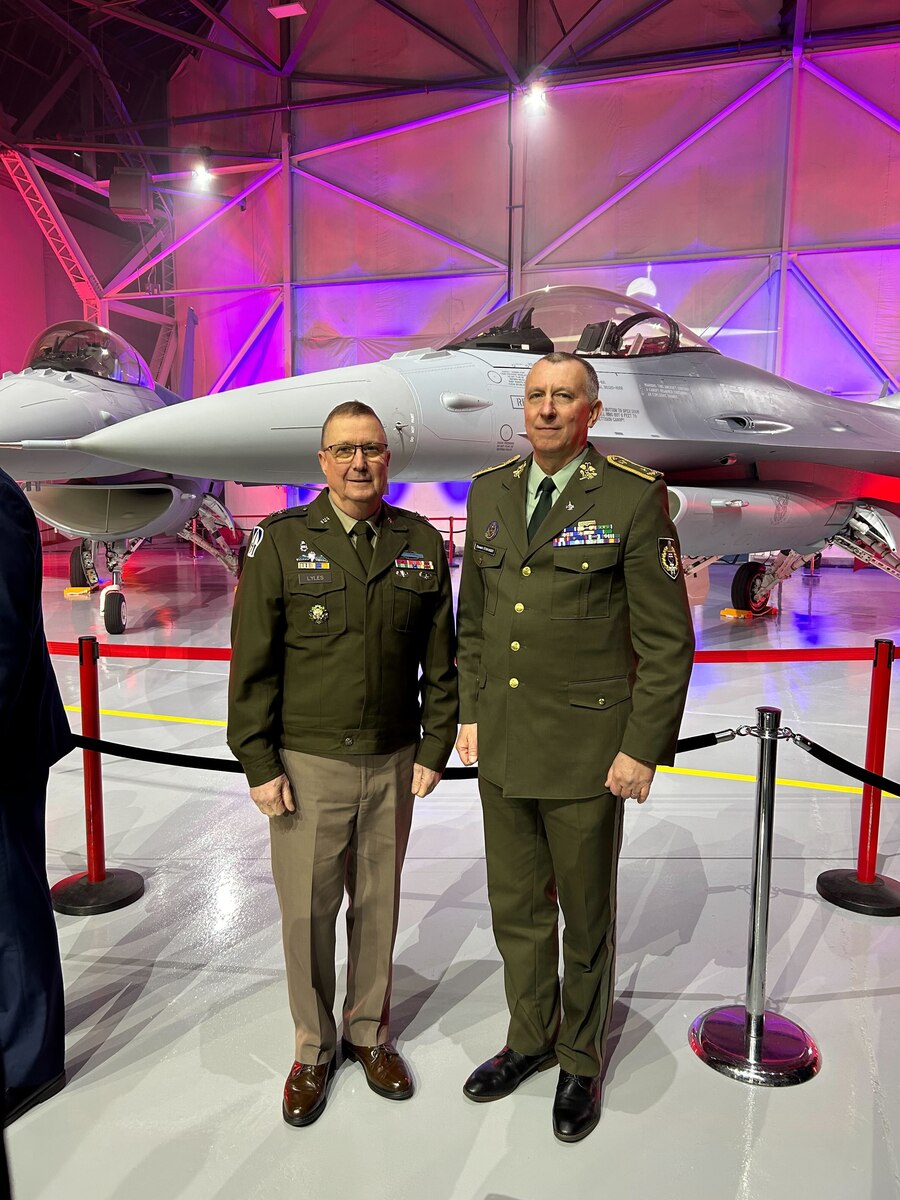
[[130, 650], [223, 653]]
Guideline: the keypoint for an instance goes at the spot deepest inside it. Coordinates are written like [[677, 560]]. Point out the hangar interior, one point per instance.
[[242, 197]]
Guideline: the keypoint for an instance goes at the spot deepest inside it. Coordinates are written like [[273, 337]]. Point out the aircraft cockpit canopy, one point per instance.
[[91, 349], [584, 320]]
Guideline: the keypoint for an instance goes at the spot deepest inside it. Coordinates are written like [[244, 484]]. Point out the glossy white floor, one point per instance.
[[179, 1034]]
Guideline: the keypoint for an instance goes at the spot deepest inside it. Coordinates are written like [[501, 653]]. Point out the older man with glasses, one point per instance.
[[342, 709]]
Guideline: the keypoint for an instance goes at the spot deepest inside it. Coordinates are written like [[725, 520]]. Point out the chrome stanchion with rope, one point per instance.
[[751, 1043]]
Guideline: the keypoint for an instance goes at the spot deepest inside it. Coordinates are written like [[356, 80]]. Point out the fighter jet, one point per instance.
[[81, 377], [753, 463]]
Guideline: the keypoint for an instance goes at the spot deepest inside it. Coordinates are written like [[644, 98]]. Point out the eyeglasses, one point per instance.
[[346, 451]]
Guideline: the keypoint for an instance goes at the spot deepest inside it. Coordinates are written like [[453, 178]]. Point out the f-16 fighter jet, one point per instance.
[[753, 462]]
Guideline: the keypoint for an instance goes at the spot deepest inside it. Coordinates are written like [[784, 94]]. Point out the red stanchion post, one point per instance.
[[879, 699], [452, 548], [89, 685], [95, 890], [863, 890]]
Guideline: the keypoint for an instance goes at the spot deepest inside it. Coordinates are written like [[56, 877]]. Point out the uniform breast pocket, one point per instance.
[[414, 592], [489, 562], [582, 581], [317, 608]]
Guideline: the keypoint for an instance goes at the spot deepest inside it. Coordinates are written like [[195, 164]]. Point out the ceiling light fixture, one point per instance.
[[290, 8], [536, 99]]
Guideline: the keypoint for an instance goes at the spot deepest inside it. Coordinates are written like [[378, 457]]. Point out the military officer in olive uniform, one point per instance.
[[575, 651], [342, 707]]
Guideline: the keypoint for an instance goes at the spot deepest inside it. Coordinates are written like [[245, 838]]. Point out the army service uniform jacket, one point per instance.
[[326, 661], [579, 645]]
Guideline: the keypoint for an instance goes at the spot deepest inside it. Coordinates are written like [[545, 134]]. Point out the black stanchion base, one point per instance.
[[881, 898], [78, 897]]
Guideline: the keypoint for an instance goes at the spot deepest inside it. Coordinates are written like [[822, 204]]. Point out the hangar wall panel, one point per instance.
[[757, 198]]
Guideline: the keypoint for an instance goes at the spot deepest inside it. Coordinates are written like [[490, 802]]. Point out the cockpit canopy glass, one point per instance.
[[589, 320], [91, 349]]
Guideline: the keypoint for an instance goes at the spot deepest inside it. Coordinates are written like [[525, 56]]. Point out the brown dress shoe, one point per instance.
[[386, 1072], [305, 1092]]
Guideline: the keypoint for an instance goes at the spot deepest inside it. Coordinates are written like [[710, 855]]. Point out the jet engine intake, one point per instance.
[[115, 512]]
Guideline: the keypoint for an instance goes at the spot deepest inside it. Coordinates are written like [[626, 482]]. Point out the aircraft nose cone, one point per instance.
[[35, 405]]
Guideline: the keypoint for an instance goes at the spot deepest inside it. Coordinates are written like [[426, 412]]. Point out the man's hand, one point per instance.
[[424, 780], [630, 778], [273, 798], [467, 744]]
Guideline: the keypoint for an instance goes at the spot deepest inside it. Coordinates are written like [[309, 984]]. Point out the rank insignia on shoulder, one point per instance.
[[498, 466], [668, 557], [255, 538], [625, 464]]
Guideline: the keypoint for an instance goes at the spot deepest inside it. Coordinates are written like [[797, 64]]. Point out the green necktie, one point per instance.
[[546, 489], [363, 533]]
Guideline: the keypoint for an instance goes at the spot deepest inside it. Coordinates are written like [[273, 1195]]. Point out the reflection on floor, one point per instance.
[[179, 1033]]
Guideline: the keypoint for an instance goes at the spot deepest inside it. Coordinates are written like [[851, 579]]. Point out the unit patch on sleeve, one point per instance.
[[668, 557]]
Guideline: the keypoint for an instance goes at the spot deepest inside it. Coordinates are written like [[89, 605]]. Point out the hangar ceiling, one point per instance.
[[382, 173]]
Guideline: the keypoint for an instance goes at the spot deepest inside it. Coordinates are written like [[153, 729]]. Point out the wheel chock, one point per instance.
[[744, 614]]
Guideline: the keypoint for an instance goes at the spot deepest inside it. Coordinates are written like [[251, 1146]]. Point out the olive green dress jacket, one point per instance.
[[579, 645], [327, 661]]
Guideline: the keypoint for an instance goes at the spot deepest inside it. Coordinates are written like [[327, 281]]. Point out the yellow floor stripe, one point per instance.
[[139, 716], [796, 783]]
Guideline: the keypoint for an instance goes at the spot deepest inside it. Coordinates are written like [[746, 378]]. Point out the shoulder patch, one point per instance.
[[498, 467], [633, 468]]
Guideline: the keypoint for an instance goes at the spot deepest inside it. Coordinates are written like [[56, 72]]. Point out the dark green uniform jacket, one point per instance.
[[579, 645], [328, 662]]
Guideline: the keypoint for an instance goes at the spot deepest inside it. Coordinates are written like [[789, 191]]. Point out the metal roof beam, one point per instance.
[[132, 17], [217, 19], [434, 34]]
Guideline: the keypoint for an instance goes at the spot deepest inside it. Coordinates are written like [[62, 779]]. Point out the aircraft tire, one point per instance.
[[746, 592], [114, 613], [77, 577]]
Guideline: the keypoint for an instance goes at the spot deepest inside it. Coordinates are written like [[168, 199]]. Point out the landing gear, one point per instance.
[[82, 572], [206, 532], [112, 605], [749, 590], [112, 598]]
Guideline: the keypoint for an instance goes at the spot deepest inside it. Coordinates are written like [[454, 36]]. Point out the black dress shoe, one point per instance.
[[20, 1100], [576, 1108], [502, 1074]]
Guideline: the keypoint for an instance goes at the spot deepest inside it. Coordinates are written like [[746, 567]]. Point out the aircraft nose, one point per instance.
[[35, 405]]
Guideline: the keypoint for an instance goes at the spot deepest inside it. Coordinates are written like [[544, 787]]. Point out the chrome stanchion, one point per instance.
[[752, 1044]]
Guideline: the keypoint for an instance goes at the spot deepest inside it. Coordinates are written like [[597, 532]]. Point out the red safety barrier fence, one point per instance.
[[223, 653], [97, 890]]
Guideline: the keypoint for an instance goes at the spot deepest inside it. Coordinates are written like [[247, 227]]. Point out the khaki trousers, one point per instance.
[[350, 829], [543, 856]]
